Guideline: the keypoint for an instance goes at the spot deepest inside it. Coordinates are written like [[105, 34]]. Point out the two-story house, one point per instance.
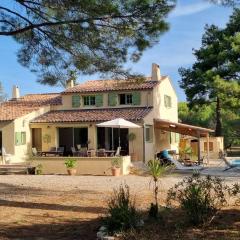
[[69, 118]]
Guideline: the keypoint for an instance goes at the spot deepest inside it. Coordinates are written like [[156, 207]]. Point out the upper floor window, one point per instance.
[[167, 101], [89, 100], [125, 99]]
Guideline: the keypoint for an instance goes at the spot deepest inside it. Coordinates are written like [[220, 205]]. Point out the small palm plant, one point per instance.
[[156, 171]]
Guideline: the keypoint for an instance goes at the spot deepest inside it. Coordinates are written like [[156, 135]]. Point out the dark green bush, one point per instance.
[[122, 213], [201, 197]]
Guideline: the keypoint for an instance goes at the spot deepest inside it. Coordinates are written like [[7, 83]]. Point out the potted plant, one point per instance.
[[71, 166], [39, 169], [116, 168], [131, 138], [187, 152]]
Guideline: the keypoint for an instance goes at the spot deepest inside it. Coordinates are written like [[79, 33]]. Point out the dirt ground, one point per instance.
[[65, 207]]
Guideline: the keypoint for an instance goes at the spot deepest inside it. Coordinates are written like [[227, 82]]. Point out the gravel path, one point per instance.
[[98, 183], [69, 183]]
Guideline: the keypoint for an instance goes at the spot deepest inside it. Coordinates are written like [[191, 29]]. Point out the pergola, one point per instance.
[[185, 129]]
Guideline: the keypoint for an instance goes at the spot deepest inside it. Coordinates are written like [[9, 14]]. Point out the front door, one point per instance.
[[37, 138]]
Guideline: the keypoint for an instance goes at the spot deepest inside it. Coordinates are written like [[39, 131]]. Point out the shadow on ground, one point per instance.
[[50, 206], [70, 230]]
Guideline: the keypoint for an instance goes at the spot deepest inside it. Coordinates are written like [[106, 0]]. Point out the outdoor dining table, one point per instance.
[[55, 153], [108, 152]]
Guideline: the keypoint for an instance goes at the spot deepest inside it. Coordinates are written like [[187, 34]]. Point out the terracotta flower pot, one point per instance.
[[72, 171], [116, 171]]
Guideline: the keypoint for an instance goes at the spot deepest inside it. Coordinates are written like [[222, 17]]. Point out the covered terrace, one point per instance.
[[185, 129]]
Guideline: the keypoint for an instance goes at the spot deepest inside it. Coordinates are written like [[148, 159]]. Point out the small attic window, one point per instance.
[[167, 101]]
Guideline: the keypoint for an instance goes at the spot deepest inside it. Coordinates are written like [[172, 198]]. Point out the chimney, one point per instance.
[[156, 75], [15, 92], [69, 83]]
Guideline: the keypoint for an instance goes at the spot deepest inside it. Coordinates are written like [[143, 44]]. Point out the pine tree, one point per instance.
[[86, 36], [215, 76]]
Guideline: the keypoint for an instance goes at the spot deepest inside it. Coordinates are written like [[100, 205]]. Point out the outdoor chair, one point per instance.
[[102, 153], [52, 149], [74, 152], [230, 165], [91, 153], [60, 150], [83, 153], [35, 153], [79, 147], [180, 166], [118, 152], [6, 157]]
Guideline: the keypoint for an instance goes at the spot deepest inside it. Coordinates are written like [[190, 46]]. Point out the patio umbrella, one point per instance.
[[118, 123]]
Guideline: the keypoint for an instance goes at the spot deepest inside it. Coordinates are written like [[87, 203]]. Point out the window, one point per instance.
[[89, 100], [148, 133], [20, 138], [167, 101], [125, 99], [75, 101], [210, 146]]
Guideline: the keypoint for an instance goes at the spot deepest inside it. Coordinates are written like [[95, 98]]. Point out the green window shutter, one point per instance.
[[112, 99], [17, 138], [136, 98], [75, 101], [23, 138], [99, 100]]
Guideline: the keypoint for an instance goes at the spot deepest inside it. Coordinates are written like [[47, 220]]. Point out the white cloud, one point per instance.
[[183, 10]]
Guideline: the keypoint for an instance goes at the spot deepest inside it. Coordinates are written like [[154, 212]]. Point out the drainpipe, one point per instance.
[[144, 142]]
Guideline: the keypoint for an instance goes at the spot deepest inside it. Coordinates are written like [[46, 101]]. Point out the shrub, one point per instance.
[[122, 213], [39, 169], [156, 171], [70, 163], [201, 197]]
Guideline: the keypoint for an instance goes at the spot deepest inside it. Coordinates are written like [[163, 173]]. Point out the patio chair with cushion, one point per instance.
[[231, 164], [118, 152], [180, 166]]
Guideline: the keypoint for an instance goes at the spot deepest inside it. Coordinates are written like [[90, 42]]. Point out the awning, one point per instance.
[[182, 128]]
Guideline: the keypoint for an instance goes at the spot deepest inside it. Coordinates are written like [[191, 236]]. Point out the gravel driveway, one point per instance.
[[65, 207]]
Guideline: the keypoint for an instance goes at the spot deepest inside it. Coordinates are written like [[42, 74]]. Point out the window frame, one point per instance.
[[128, 99], [89, 100], [211, 146]]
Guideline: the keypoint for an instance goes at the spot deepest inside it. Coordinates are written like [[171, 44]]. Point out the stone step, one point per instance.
[[14, 168]]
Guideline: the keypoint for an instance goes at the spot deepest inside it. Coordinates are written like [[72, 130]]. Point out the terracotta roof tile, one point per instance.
[[111, 85], [13, 109], [93, 115]]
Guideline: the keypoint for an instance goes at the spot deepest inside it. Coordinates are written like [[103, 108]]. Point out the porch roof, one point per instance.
[[182, 128], [93, 115]]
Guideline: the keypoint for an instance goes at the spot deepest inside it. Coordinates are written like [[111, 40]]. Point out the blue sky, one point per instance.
[[174, 49]]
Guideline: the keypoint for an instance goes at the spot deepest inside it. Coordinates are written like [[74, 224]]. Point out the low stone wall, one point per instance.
[[85, 165]]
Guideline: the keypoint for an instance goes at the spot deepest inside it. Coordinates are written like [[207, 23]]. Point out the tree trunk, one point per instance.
[[218, 131]]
